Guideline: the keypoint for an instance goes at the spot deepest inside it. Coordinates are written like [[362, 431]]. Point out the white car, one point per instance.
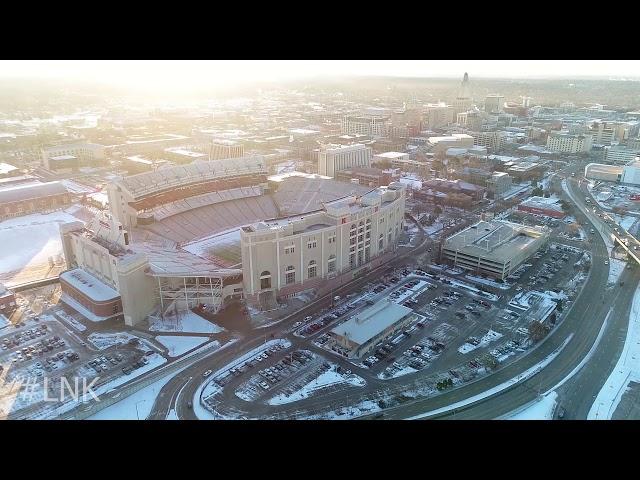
[[606, 262], [207, 373]]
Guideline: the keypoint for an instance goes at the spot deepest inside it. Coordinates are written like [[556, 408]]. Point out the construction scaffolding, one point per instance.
[[180, 294]]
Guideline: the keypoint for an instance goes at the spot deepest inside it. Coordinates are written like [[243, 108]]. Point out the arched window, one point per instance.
[[265, 280], [381, 242], [331, 264], [290, 275], [312, 269]]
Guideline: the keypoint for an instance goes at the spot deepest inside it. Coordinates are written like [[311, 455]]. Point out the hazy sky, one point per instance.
[[179, 74]]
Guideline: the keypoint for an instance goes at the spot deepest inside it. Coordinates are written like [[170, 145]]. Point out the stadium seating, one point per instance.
[[202, 221]]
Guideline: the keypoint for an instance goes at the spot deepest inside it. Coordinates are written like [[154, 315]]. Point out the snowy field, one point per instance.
[[616, 267], [542, 409], [325, 380], [626, 370], [43, 234], [180, 345], [188, 322]]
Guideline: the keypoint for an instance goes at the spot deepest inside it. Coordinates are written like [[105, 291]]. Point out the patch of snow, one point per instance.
[[103, 341], [136, 406], [616, 267], [541, 409], [327, 379], [70, 320], [178, 345], [188, 322], [488, 337]]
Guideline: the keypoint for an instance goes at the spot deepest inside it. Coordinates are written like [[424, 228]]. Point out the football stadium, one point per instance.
[[173, 239]]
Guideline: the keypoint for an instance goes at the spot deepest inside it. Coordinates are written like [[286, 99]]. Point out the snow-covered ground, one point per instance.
[[64, 316], [616, 267], [103, 341], [626, 370], [541, 409], [488, 337], [435, 228], [188, 322], [411, 182], [406, 370], [178, 345], [328, 378], [31, 239], [136, 406]]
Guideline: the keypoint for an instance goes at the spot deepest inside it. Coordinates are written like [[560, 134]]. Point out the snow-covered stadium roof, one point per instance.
[[31, 191]]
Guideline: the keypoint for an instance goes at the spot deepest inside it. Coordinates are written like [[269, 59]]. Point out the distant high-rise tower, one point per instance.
[[462, 102], [464, 87]]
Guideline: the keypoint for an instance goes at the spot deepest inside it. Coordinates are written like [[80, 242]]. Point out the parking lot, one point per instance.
[[463, 326], [457, 322], [43, 351]]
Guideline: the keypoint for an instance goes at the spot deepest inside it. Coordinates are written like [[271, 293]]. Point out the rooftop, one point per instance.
[[542, 202], [497, 240], [31, 191], [372, 321], [392, 155], [89, 285]]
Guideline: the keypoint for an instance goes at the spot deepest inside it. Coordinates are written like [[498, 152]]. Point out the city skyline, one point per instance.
[[173, 75]]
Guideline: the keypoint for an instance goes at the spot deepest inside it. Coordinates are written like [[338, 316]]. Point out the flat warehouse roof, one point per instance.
[[372, 321]]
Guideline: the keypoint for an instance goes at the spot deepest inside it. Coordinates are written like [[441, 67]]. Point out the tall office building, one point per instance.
[[438, 115], [333, 158], [494, 103]]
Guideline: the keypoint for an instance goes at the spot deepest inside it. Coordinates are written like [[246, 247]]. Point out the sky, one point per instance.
[[180, 74]]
